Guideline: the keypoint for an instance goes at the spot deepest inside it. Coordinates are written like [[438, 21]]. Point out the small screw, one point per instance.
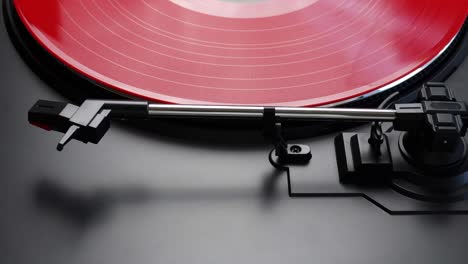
[[295, 149]]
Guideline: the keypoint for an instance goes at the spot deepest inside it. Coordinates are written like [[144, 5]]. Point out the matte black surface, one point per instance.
[[196, 197]]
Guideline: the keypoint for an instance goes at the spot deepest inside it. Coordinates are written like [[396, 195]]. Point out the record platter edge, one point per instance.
[[79, 86]]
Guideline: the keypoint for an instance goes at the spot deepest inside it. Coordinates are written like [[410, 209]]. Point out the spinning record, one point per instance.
[[245, 52]]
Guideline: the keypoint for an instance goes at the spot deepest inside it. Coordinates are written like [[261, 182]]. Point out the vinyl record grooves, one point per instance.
[[302, 53]]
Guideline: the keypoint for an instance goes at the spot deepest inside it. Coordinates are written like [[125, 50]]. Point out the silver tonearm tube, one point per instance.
[[284, 113]]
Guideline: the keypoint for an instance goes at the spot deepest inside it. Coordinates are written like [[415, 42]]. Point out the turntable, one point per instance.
[[254, 131]]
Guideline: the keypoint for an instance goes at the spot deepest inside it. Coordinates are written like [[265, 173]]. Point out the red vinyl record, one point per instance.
[[245, 52]]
